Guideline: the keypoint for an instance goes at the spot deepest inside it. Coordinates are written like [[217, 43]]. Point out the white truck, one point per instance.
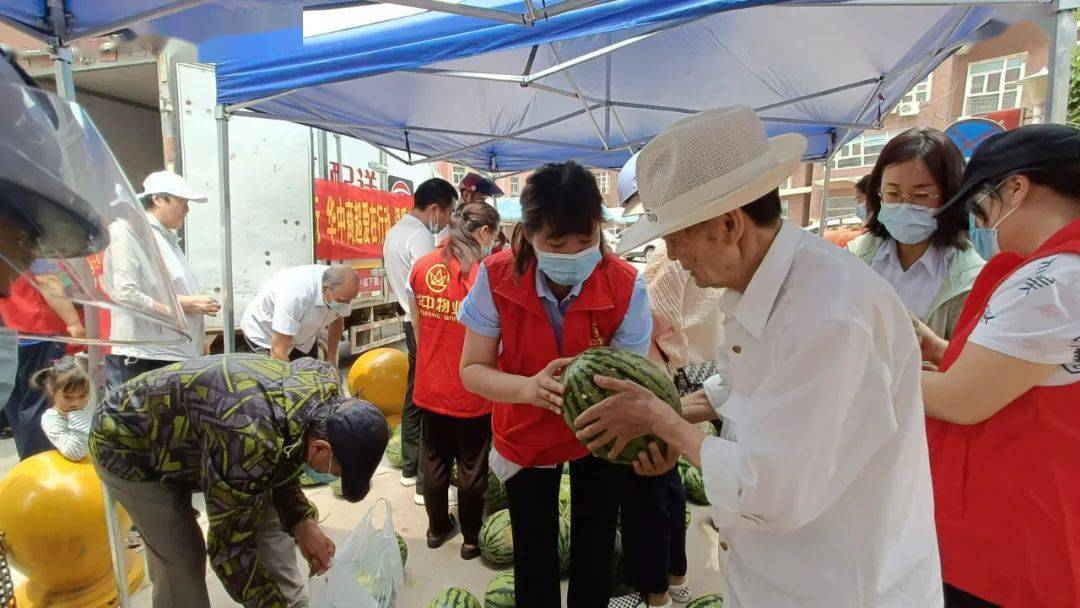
[[156, 108]]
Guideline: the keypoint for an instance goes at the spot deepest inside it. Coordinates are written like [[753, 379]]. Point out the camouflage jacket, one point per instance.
[[230, 426]]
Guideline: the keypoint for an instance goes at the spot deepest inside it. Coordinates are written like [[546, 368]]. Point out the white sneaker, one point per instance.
[[408, 482], [451, 498], [680, 593], [418, 499], [634, 600]]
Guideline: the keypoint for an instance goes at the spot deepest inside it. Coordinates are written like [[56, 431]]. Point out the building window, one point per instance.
[[457, 173], [515, 186], [786, 185], [862, 151], [602, 181], [920, 93], [992, 85], [841, 206]]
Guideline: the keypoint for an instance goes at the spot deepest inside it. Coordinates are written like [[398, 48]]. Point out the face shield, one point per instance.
[[75, 242]]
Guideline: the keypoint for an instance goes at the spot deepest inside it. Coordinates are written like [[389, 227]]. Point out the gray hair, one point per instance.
[[336, 275]]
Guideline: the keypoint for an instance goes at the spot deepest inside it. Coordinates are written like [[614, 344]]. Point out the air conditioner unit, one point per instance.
[[908, 108]]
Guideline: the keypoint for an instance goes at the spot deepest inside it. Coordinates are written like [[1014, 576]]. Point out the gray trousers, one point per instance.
[[176, 550]]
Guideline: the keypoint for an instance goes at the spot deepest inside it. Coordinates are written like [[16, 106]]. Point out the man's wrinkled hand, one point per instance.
[[622, 417], [315, 546]]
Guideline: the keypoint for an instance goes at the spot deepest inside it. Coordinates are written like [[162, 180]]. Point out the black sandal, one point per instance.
[[434, 541]]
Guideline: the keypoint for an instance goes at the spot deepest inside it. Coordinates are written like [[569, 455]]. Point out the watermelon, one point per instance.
[[500, 591], [581, 391], [712, 600], [495, 497], [687, 517], [454, 597], [695, 486], [564, 545], [496, 539], [393, 449], [564, 495], [403, 548]]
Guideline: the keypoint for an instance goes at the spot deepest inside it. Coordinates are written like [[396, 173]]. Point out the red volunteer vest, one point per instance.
[[27, 312], [439, 289], [528, 435], [1007, 490]]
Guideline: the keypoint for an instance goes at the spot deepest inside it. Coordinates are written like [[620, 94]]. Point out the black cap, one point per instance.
[[1029, 147], [358, 435]]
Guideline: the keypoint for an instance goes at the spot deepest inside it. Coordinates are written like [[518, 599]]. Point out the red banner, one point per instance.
[[351, 222]]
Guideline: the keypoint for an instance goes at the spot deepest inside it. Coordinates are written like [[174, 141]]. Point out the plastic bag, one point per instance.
[[367, 570]]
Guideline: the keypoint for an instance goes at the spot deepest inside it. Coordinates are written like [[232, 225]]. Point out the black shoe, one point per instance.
[[436, 541], [468, 552]]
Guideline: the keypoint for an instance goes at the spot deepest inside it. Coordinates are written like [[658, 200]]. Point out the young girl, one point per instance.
[[67, 422], [456, 423], [555, 293]]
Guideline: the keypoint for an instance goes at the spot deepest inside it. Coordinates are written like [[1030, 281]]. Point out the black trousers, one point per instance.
[[25, 406], [654, 530], [465, 440], [119, 369], [958, 598], [596, 491], [411, 420]]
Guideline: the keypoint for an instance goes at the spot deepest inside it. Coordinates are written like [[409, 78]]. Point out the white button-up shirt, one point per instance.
[[921, 282], [821, 489], [407, 241], [291, 303]]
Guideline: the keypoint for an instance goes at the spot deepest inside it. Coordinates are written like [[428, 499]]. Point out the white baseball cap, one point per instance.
[[165, 182]]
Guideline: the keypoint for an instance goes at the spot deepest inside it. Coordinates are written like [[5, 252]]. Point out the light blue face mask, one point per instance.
[[860, 211], [908, 224], [985, 239], [341, 309], [568, 268], [9, 362]]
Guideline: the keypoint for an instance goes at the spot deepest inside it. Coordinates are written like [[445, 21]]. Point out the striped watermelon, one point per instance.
[[695, 486], [687, 517], [713, 600], [495, 497], [393, 448], [496, 539], [564, 545], [454, 597], [582, 392], [403, 548], [500, 591], [564, 495]]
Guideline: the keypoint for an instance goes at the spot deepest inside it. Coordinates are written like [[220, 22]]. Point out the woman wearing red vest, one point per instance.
[[1004, 427], [554, 294], [456, 423]]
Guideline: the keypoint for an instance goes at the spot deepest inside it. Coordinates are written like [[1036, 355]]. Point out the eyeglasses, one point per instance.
[[893, 198]]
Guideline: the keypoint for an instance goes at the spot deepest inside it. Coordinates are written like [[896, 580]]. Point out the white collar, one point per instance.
[[935, 260], [158, 226], [755, 305]]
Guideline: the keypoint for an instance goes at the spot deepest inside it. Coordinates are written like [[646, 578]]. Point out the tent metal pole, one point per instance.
[[570, 5], [227, 312], [823, 223], [584, 104], [65, 88], [600, 52], [1062, 44], [143, 17], [463, 9]]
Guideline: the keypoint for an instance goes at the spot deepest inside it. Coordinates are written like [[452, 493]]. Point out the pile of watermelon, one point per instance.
[[581, 391], [393, 448], [693, 482], [495, 497], [454, 597], [713, 600]]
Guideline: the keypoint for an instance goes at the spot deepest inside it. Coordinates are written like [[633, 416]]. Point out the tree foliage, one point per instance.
[[1074, 89]]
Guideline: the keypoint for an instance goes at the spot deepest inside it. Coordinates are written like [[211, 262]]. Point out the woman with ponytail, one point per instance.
[[555, 293], [456, 423]]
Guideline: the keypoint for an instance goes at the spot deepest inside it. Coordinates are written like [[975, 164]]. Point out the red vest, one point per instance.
[[439, 289], [528, 435], [1007, 490], [27, 312]]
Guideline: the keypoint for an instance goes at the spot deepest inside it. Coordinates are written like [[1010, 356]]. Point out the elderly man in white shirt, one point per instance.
[[286, 316], [821, 486], [165, 197]]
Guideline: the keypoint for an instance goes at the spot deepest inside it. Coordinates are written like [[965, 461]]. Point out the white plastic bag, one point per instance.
[[367, 570]]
